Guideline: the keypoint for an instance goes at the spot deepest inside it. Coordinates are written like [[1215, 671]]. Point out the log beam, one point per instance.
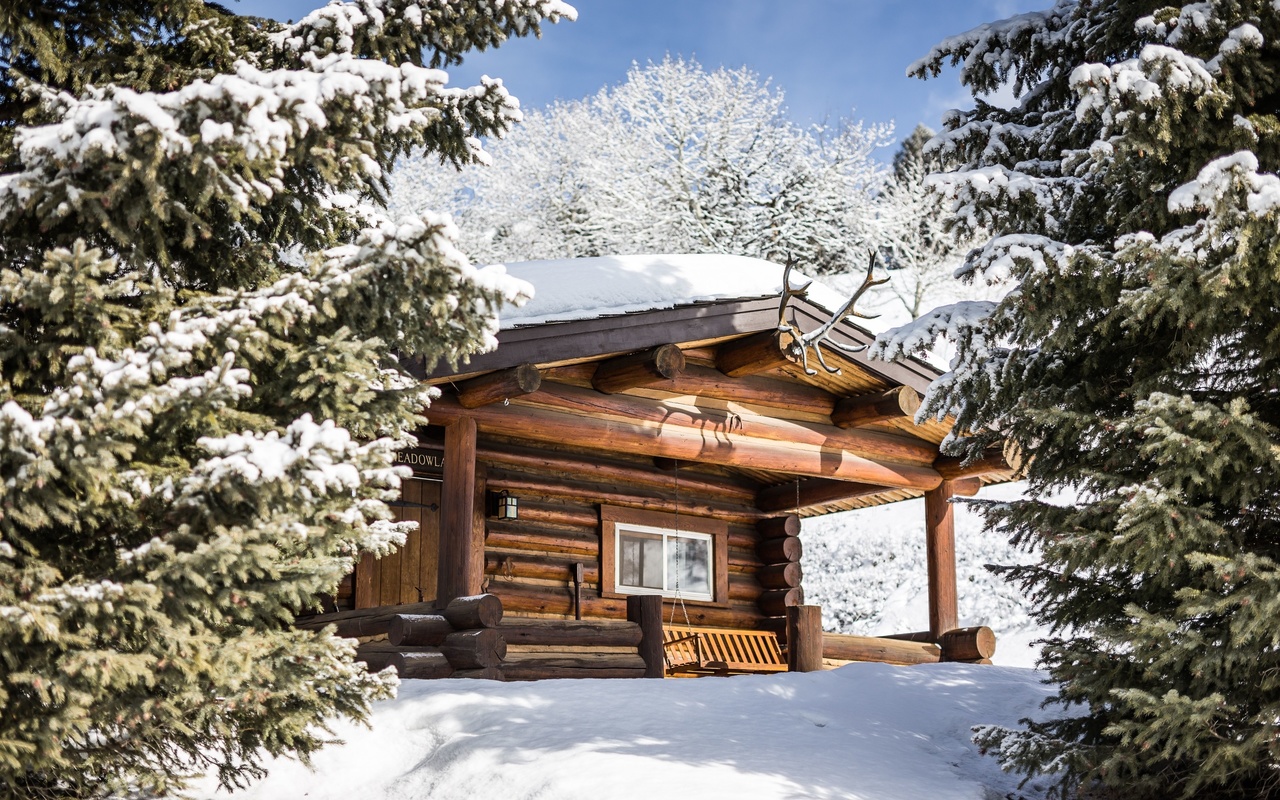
[[968, 644], [940, 550], [646, 368], [756, 353], [722, 424], [813, 492], [956, 467], [475, 611], [842, 647], [780, 576], [501, 385], [832, 458], [779, 551], [778, 527], [899, 403], [775, 603]]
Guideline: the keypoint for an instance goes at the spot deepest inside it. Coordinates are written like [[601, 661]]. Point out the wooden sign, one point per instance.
[[422, 460]]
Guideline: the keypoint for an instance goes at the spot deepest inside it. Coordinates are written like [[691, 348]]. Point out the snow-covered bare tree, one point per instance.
[[201, 308], [1133, 198], [915, 242], [674, 159]]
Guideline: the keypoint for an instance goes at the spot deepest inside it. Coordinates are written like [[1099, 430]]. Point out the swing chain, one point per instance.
[[679, 597]]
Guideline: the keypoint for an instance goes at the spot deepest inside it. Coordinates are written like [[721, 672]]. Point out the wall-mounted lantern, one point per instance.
[[506, 506]]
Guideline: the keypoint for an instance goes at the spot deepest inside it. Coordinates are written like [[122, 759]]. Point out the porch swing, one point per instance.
[[694, 652]]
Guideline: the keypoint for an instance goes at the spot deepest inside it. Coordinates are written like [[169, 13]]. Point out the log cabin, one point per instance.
[[617, 489]]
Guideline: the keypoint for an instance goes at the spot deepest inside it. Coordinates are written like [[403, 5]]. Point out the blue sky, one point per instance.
[[832, 58]]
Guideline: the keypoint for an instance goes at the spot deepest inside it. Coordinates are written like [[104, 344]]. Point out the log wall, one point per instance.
[[529, 561]]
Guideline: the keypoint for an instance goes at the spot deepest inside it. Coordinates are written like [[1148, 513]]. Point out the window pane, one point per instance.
[[640, 560], [693, 557]]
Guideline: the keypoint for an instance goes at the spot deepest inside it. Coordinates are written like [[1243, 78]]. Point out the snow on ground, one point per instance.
[[867, 570], [865, 731]]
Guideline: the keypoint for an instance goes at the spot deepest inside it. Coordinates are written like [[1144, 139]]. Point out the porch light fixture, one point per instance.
[[508, 507]]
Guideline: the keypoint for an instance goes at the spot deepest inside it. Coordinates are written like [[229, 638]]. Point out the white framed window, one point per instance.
[[655, 552], [652, 560]]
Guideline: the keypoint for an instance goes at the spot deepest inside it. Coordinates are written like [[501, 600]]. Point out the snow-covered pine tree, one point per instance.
[[1133, 200], [201, 308], [675, 159]]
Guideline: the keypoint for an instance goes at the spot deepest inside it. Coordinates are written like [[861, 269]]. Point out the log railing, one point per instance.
[[974, 645]]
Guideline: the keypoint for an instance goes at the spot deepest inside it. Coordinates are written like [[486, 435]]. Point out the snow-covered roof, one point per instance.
[[586, 288]]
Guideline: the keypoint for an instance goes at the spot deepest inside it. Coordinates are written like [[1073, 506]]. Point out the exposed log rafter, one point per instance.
[[757, 353], [898, 403], [645, 368], [501, 385]]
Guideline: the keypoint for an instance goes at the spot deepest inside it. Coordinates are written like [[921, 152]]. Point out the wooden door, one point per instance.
[[409, 574]]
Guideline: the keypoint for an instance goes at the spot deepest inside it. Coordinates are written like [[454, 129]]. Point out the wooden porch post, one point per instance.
[[461, 570], [646, 610], [804, 638], [940, 547]]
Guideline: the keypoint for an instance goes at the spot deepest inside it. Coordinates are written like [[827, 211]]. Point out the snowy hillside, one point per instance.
[[865, 731], [866, 569]]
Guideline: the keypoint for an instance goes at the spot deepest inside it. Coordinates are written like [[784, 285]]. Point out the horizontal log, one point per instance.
[[473, 649], [360, 622], [898, 403], [569, 633], [476, 611], [520, 598], [780, 576], [377, 656], [773, 551], [775, 603], [744, 588], [516, 652], [645, 368], [968, 644], [742, 537], [500, 385], [558, 514], [484, 673], [589, 468], [547, 568], [966, 487], [813, 493], [775, 527], [873, 445], [518, 535], [418, 629], [650, 500], [955, 467], [843, 647], [578, 661], [913, 636], [741, 560], [749, 391], [756, 353], [830, 459], [534, 672], [422, 665]]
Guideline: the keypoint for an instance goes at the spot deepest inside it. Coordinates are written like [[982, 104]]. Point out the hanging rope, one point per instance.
[[679, 598]]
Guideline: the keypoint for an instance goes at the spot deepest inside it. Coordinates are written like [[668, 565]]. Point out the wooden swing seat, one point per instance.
[[721, 651]]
